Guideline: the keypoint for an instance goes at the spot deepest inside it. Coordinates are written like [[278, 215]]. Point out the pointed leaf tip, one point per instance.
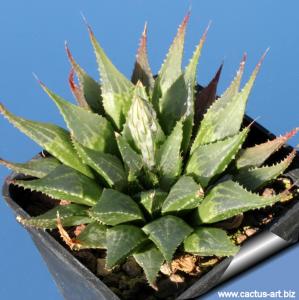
[[38, 80], [228, 199], [185, 21], [115, 87], [207, 241], [258, 66], [191, 68], [142, 70], [214, 125], [52, 138], [243, 62], [255, 178], [205, 33], [205, 98], [122, 241], [290, 134], [72, 80], [150, 259], [167, 233], [87, 24], [74, 88], [264, 55], [145, 29], [255, 156], [88, 92], [68, 52], [35, 167], [2, 109], [171, 68]]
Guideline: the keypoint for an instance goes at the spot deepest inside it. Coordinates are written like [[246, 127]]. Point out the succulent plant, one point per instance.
[[149, 166]]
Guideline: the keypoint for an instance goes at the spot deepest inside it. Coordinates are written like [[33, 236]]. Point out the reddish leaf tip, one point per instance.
[[142, 43], [68, 51], [2, 108], [205, 33], [185, 22], [187, 16], [91, 34], [290, 134], [243, 62], [207, 28], [252, 122], [218, 73], [5, 162], [144, 33], [74, 88], [37, 79], [11, 181], [262, 58], [72, 79]]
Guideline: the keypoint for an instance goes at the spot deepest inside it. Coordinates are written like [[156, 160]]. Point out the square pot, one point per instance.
[[76, 282]]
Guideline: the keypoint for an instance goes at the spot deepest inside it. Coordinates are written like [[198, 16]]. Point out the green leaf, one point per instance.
[[77, 91], [114, 208], [107, 165], [131, 159], [173, 104], [70, 215], [89, 129], [206, 104], [142, 71], [52, 138], [92, 237], [150, 260], [255, 178], [205, 101], [184, 195], [208, 241], [65, 183], [167, 233], [149, 179], [234, 87], [169, 160], [88, 94], [216, 125], [188, 119], [152, 201], [228, 199], [145, 129], [116, 88], [140, 90], [210, 160], [172, 66], [205, 98], [191, 69], [122, 240], [190, 83], [255, 156], [37, 167], [156, 95]]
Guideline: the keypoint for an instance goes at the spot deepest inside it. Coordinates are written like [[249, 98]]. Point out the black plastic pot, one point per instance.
[[75, 281]]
